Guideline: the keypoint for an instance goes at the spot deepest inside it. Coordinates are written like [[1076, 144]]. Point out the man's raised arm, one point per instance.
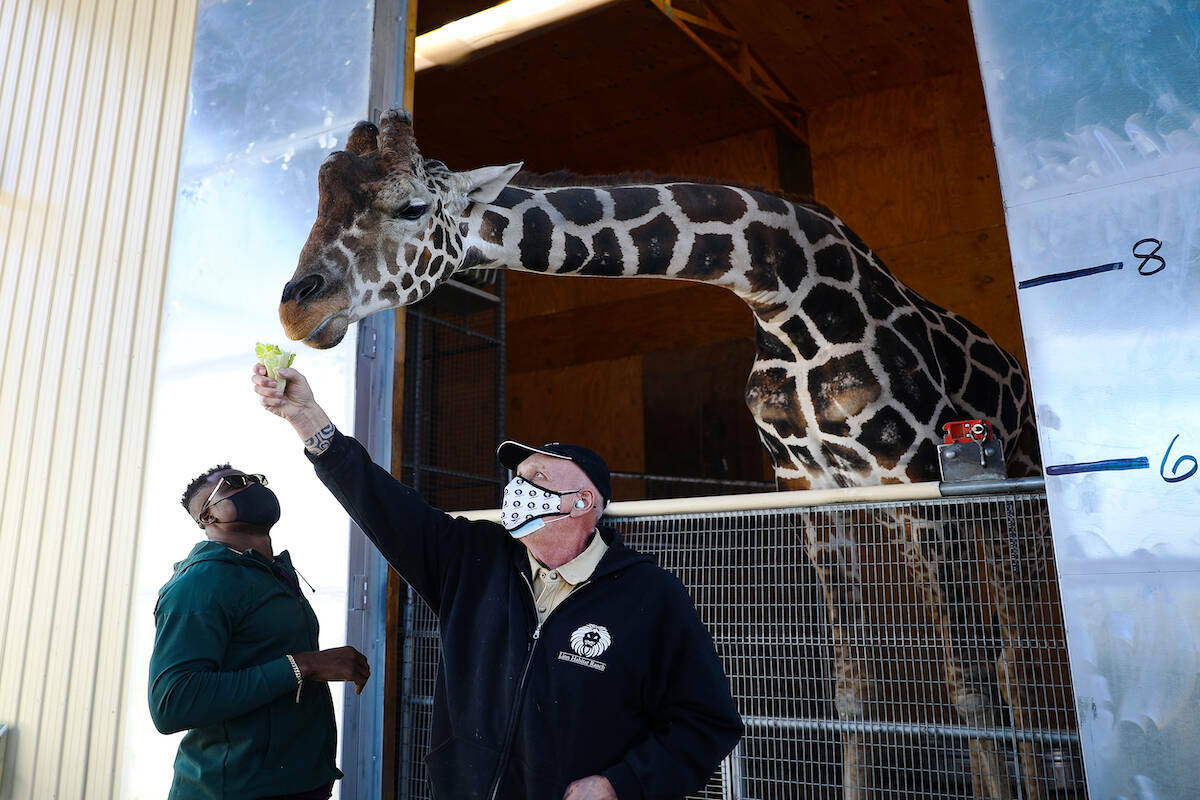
[[421, 542]]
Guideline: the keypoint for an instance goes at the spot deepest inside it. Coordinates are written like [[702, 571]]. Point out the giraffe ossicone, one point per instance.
[[854, 377]]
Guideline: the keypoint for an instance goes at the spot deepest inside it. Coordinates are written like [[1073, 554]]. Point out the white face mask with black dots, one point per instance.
[[527, 505]]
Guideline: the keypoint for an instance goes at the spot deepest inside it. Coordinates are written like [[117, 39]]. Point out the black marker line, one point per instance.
[[1141, 462], [1066, 276]]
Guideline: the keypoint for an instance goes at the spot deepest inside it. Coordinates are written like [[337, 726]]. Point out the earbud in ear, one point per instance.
[[580, 504]]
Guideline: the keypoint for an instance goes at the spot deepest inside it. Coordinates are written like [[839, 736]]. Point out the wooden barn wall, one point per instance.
[[649, 371], [912, 171]]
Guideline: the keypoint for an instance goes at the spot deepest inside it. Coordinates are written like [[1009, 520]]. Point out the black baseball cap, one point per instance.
[[511, 454]]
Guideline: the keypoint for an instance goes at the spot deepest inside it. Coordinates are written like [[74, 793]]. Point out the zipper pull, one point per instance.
[[537, 632]]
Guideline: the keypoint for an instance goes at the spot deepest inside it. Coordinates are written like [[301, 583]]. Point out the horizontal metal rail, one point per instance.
[[818, 725], [678, 479], [453, 473], [910, 729], [806, 498], [426, 316]]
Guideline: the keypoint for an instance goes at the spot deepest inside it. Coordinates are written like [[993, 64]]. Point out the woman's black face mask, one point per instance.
[[255, 505]]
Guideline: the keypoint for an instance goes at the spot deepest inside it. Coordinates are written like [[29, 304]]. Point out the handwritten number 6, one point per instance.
[[1176, 477], [1148, 257]]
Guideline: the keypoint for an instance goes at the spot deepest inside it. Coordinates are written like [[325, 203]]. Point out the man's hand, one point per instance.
[[595, 787], [296, 404], [338, 664], [295, 401]]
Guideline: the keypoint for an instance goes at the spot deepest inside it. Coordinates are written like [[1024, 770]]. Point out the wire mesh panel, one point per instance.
[[454, 394], [899, 650], [453, 399]]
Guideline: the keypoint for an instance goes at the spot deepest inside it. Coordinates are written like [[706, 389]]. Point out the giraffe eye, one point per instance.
[[413, 210]]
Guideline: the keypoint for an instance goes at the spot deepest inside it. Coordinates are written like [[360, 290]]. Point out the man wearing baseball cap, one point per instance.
[[573, 667]]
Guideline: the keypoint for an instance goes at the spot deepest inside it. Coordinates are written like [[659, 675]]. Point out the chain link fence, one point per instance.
[[942, 674]]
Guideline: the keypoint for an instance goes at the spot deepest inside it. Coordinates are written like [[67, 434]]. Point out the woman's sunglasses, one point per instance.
[[233, 482]]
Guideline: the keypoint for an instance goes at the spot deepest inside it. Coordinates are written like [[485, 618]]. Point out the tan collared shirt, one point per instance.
[[552, 586]]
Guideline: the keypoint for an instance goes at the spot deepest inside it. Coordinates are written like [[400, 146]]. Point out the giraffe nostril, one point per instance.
[[304, 289]]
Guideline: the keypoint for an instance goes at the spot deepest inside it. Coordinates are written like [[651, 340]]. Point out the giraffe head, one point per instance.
[[390, 227]]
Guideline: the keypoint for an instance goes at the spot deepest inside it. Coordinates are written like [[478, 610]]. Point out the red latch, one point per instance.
[[968, 430]]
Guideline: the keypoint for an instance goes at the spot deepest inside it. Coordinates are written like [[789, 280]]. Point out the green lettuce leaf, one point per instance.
[[274, 359]]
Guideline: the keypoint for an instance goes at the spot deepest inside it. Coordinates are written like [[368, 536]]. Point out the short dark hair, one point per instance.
[[193, 488]]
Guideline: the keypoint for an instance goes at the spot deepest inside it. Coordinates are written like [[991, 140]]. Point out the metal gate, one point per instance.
[[967, 689]]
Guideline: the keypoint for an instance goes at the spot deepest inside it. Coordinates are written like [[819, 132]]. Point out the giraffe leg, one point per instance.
[[944, 569], [833, 555], [1015, 554]]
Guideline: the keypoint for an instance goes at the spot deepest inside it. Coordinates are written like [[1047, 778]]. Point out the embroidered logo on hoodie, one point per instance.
[[588, 642]]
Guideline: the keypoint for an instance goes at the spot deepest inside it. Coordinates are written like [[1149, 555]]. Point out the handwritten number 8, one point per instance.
[[1148, 257], [1176, 477]]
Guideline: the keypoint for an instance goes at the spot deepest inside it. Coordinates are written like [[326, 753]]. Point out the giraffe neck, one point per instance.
[[687, 231]]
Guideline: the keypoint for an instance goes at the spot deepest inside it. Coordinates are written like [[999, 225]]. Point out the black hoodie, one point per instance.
[[621, 680]]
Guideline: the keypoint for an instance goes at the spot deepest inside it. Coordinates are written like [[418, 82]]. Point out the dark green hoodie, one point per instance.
[[223, 626]]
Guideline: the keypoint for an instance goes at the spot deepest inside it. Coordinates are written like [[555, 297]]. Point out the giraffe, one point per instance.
[[855, 373]]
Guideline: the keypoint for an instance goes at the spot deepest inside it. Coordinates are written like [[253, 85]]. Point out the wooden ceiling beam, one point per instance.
[[699, 20]]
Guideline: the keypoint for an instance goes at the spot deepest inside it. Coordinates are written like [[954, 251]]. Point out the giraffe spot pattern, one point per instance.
[[840, 389], [341, 263], [770, 203], [844, 459], [835, 314], [771, 398], [410, 254], [631, 202], [578, 206], [388, 292], [880, 295], [803, 456], [575, 253], [979, 394], [606, 254], [887, 436], [536, 229], [777, 256], [924, 464], [906, 375], [511, 196], [990, 356], [391, 257], [655, 243], [799, 335], [701, 203], [423, 261], [950, 356], [472, 258], [491, 227], [814, 224], [767, 311], [769, 346], [834, 261], [777, 451], [915, 330], [710, 257], [406, 281]]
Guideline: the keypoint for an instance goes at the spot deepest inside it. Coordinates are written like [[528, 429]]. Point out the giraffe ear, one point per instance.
[[483, 185]]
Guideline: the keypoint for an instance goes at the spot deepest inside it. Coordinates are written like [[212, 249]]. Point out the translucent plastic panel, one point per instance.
[[275, 87]]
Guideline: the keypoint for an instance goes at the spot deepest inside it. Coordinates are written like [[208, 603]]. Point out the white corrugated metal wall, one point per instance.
[[92, 101]]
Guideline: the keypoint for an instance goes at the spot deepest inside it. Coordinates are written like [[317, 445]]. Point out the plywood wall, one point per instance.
[[913, 172]]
